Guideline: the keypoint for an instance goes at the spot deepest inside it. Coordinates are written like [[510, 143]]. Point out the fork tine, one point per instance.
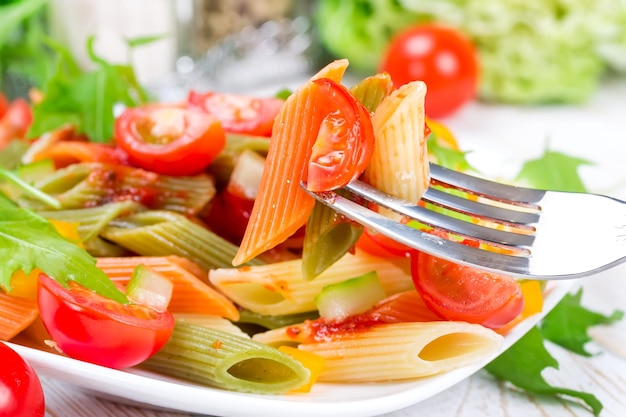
[[425, 242], [439, 220], [488, 189], [479, 209]]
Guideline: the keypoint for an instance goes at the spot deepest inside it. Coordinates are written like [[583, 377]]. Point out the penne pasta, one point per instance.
[[399, 165], [399, 351], [162, 233], [279, 211], [211, 321], [192, 293], [90, 184], [16, 314], [280, 288], [227, 361]]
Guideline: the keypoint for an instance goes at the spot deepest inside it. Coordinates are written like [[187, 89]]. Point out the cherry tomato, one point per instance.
[[442, 57], [89, 327], [239, 113], [459, 292], [21, 394], [380, 245], [344, 143], [169, 140], [4, 104], [228, 215], [15, 122]]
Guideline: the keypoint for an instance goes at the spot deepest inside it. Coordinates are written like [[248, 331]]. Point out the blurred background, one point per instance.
[[529, 51]]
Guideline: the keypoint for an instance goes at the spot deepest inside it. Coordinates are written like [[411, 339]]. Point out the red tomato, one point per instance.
[[4, 104], [442, 57], [380, 245], [239, 113], [228, 216], [459, 292], [21, 394], [169, 140], [15, 121], [94, 329], [344, 143]]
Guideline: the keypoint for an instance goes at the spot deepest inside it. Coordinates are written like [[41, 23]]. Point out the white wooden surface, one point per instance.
[[596, 131]]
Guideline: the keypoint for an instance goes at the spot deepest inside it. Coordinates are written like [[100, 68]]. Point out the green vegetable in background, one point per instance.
[[532, 51], [29, 241], [24, 58], [86, 99]]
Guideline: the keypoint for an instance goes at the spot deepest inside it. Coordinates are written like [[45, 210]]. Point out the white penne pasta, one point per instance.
[[280, 288], [403, 351], [399, 165]]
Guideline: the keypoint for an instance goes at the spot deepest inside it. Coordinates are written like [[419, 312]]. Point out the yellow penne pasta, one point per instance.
[[280, 288], [403, 350], [399, 165]]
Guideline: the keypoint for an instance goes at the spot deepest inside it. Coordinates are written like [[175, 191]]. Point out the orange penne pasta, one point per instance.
[[281, 206], [16, 314], [192, 292]]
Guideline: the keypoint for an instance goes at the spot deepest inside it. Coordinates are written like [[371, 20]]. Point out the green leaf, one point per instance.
[[29, 241], [568, 323], [555, 171], [12, 15], [85, 99], [448, 157], [523, 363]]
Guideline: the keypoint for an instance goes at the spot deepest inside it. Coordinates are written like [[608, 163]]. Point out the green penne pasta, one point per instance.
[[274, 322], [90, 184], [328, 237], [228, 361], [214, 322], [11, 154], [162, 233], [372, 90], [93, 220], [279, 288]]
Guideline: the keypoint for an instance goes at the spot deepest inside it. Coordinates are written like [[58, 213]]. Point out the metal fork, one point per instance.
[[507, 229]]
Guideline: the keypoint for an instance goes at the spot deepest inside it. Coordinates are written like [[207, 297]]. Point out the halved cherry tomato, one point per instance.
[[442, 57], [21, 394], [460, 292], [169, 140], [89, 327], [344, 143], [15, 122], [239, 113]]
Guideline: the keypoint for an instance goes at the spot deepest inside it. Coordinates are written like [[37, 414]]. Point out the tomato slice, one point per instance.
[[345, 141], [239, 113], [228, 215], [91, 328], [21, 394], [4, 104], [169, 140], [460, 292], [378, 244]]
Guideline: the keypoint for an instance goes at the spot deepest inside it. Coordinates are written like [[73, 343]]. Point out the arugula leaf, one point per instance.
[[85, 99], [567, 324], [29, 189], [523, 363], [553, 170], [29, 241]]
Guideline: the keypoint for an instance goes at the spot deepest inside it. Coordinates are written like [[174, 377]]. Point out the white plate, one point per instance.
[[501, 138], [328, 400]]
